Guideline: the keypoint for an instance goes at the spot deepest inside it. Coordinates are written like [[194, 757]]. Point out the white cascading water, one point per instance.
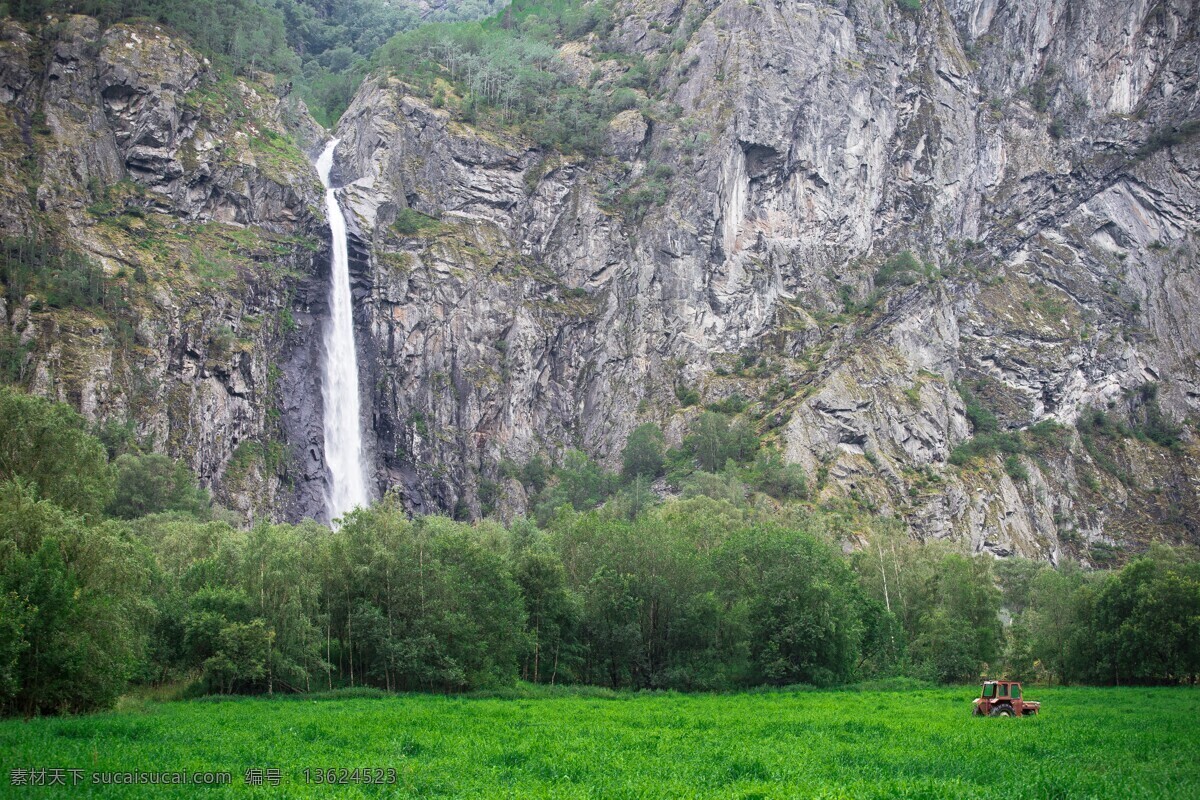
[[347, 485]]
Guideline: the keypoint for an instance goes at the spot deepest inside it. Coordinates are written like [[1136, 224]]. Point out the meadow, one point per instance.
[[1089, 742]]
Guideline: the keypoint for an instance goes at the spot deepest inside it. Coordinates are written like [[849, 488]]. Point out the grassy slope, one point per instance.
[[1089, 743]]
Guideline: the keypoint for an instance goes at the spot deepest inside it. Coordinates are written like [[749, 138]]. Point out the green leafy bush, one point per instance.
[[72, 627], [643, 453], [153, 483], [903, 269], [47, 445], [410, 222], [686, 396]]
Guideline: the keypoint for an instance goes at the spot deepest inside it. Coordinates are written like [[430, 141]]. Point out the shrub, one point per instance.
[[783, 481], [986, 445], [1015, 468], [153, 483], [734, 404], [686, 396], [903, 269], [980, 416], [410, 222], [1155, 425], [643, 453]]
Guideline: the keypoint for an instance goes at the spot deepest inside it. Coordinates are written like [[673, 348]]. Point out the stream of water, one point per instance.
[[346, 483]]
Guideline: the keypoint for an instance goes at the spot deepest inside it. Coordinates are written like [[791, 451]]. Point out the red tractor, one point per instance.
[[1003, 699]]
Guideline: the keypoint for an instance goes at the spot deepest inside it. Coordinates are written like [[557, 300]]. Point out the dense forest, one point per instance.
[[323, 47], [116, 569]]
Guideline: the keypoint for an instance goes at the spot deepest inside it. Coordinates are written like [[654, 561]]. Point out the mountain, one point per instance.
[[941, 254], [185, 191]]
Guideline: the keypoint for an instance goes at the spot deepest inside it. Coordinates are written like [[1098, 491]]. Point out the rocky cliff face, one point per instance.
[[909, 237], [189, 193], [1037, 160]]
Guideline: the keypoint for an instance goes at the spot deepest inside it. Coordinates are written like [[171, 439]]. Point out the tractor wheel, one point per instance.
[[1002, 711]]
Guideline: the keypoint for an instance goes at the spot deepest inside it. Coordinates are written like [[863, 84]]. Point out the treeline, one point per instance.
[[241, 34], [324, 47], [720, 458], [115, 568], [56, 277], [64, 278]]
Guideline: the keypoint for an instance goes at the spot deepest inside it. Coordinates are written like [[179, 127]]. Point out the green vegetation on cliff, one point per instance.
[[323, 47], [508, 68], [62, 278]]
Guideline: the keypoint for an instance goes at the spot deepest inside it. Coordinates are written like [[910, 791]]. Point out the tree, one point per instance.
[[959, 631], [709, 441], [240, 658], [946, 648], [75, 592], [713, 441], [1147, 621], [427, 604], [47, 444], [1017, 577], [279, 574], [611, 628], [581, 483], [802, 605], [152, 483], [1052, 620], [552, 616], [643, 453], [536, 473]]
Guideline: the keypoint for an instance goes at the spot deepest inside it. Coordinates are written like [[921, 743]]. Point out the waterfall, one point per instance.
[[346, 486]]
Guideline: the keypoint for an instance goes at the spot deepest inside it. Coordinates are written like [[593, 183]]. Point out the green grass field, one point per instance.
[[921, 744]]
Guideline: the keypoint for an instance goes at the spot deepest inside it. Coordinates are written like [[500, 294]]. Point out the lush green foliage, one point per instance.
[[1098, 430], [1139, 625], [719, 458], [59, 278], [46, 445], [989, 440], [323, 46], [410, 222], [912, 742], [153, 483], [903, 269], [643, 453], [73, 618], [507, 67], [246, 34], [1147, 420], [72, 613], [721, 589]]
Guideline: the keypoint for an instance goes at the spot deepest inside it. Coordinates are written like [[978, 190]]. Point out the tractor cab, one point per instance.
[[1004, 699]]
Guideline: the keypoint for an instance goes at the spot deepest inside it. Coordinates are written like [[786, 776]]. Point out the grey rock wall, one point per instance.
[[1023, 150], [187, 191], [1039, 159]]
